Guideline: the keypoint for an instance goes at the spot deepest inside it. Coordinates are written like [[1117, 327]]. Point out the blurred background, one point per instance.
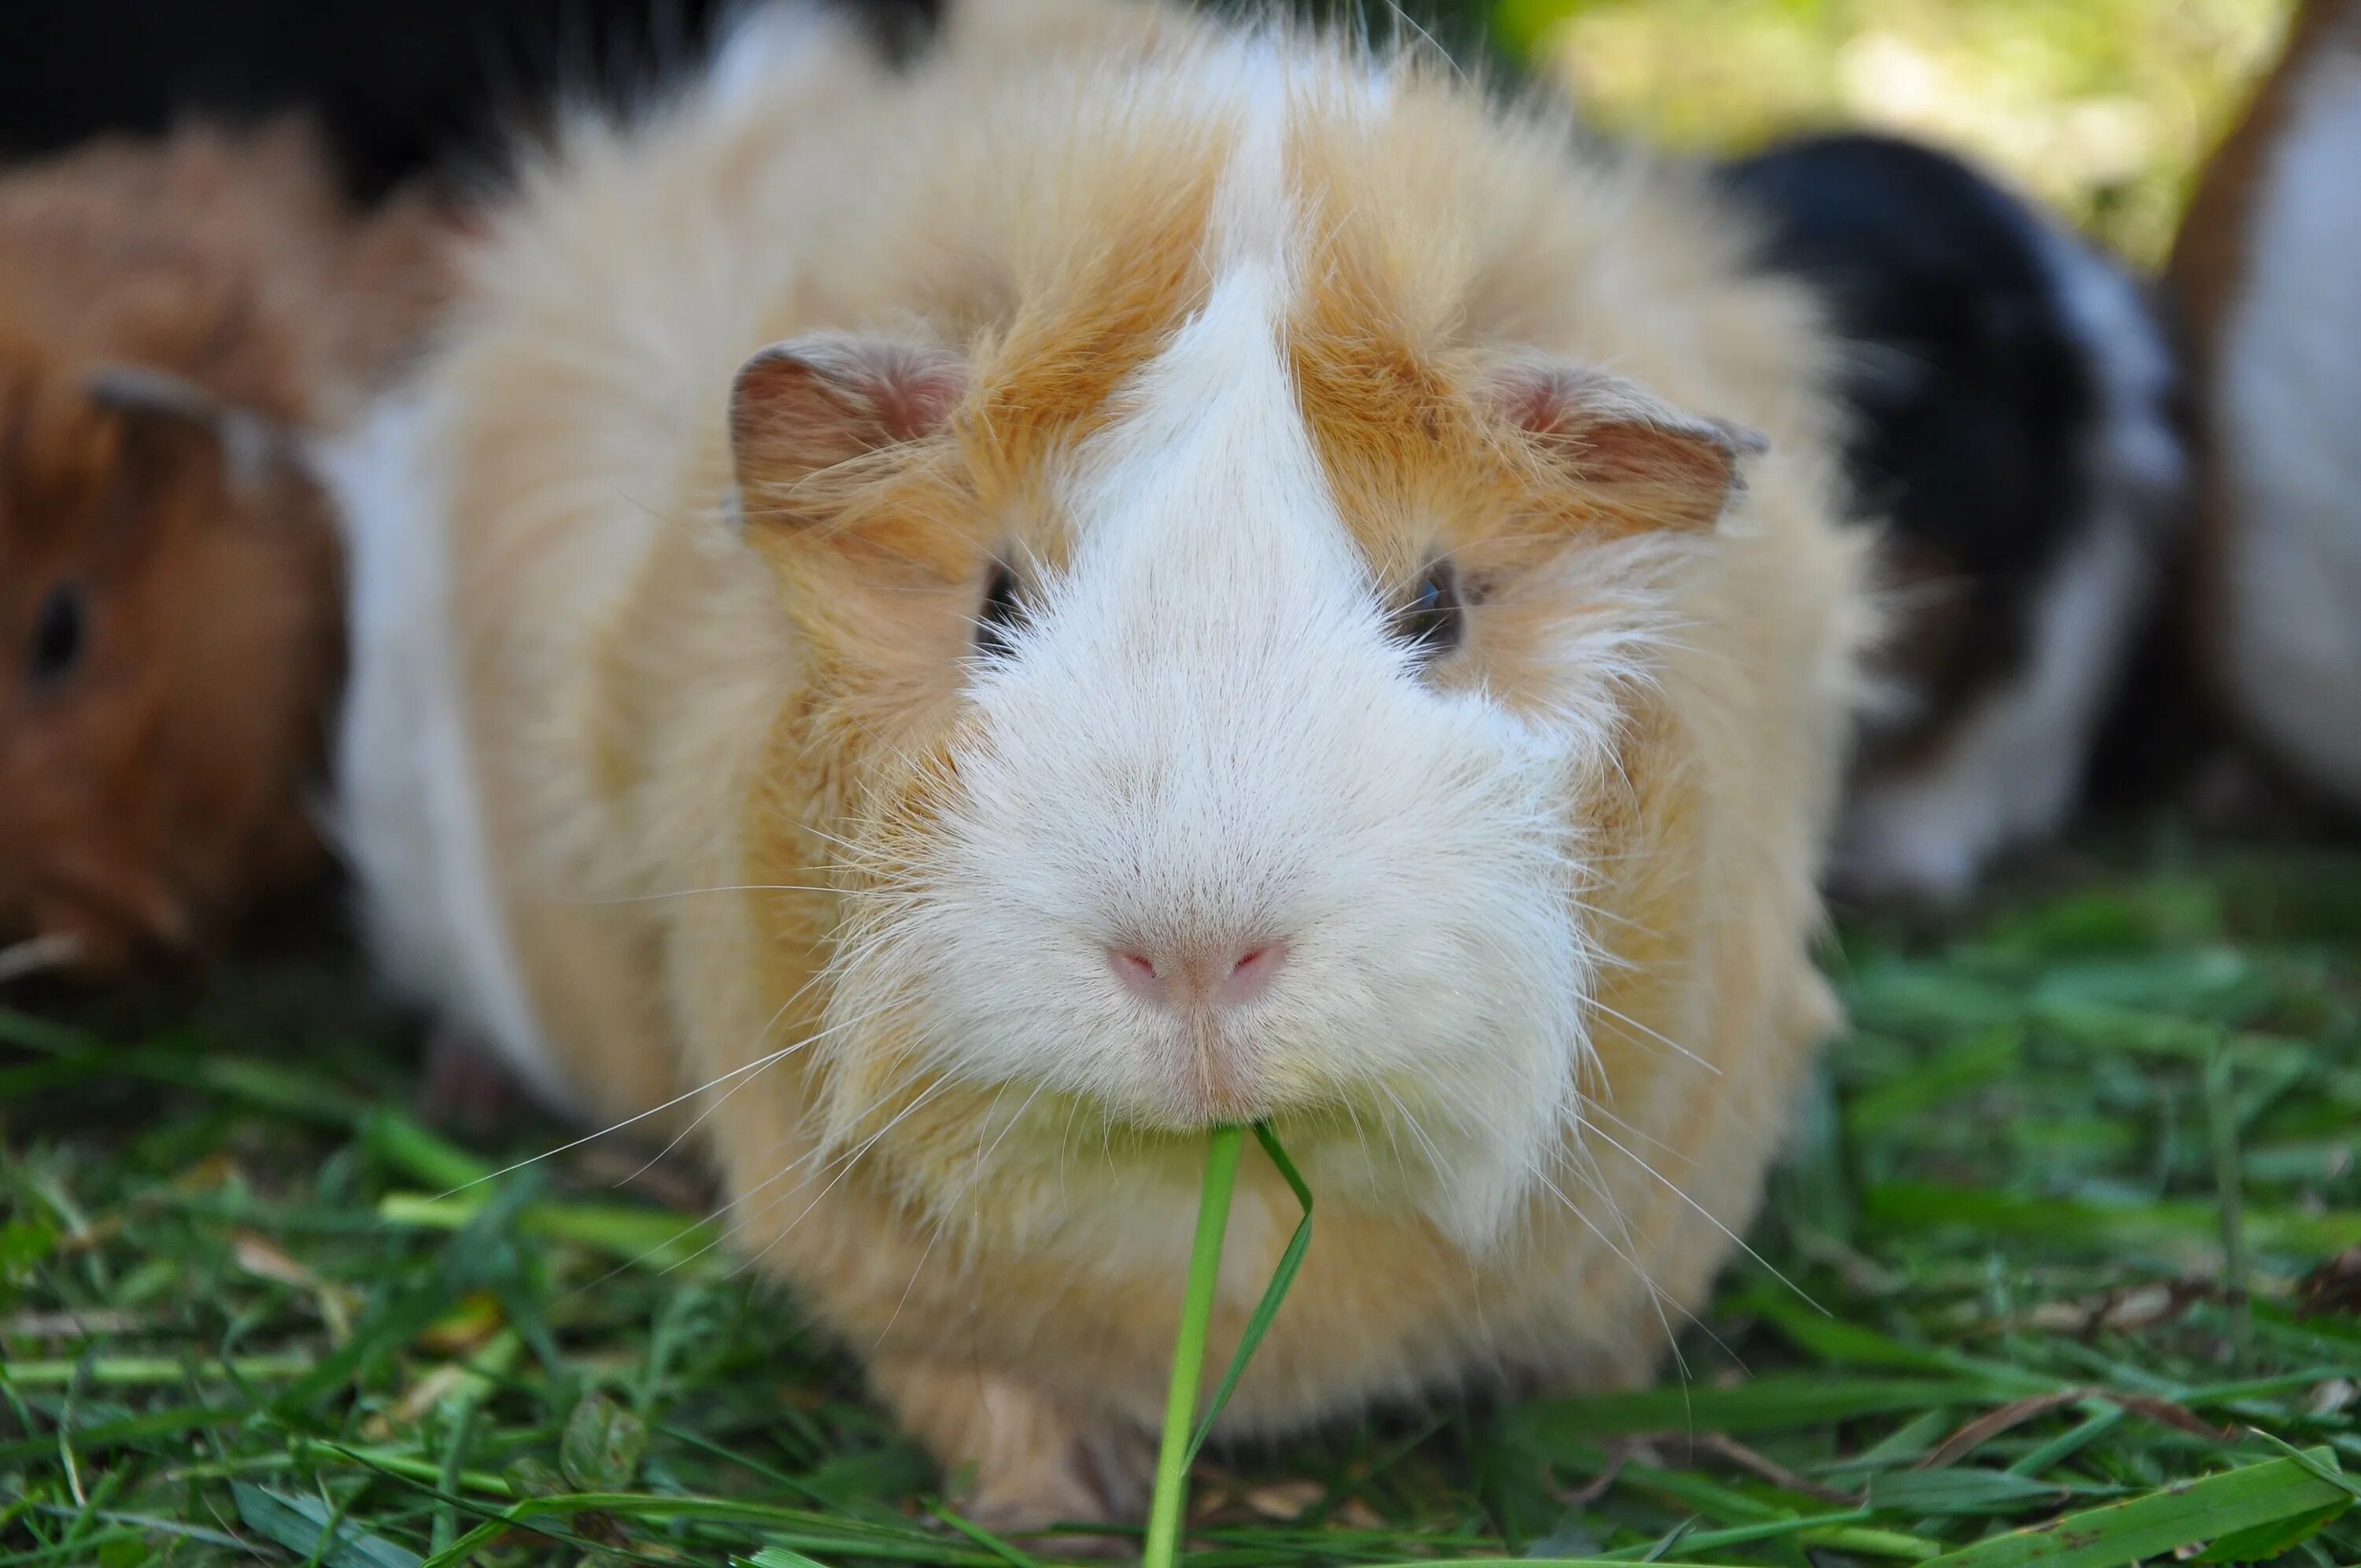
[[2100, 108]]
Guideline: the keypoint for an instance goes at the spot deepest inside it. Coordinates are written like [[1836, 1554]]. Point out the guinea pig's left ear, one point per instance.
[[812, 402], [1632, 455], [249, 442]]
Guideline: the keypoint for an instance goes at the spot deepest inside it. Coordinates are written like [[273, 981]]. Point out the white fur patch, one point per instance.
[[766, 46], [2287, 407], [407, 816], [2011, 771]]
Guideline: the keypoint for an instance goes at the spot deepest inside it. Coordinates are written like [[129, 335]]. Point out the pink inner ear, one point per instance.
[[1639, 453], [1535, 401], [917, 397], [811, 402]]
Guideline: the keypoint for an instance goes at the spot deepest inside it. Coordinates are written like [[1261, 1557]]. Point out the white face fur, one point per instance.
[[1204, 746]]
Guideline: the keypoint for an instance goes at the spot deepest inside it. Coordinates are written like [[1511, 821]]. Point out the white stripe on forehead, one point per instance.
[[1209, 474]]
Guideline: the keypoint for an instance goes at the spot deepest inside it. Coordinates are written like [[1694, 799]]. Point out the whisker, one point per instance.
[[736, 1227], [755, 1066], [985, 1158], [936, 1235], [849, 1161], [709, 1217], [812, 1038], [1714, 1219], [1656, 1295], [1658, 1036]]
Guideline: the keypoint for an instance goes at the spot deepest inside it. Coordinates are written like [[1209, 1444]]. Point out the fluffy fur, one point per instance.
[[2265, 261], [172, 317], [836, 730]]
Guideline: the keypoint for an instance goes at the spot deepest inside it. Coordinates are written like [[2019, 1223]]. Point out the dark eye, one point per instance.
[[59, 633], [1434, 621], [1003, 611]]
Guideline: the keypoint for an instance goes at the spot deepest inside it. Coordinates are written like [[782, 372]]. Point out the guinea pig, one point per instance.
[[2012, 401], [2263, 267], [952, 630], [172, 317]]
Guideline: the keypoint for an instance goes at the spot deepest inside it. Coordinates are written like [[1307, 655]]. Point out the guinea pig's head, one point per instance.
[[1202, 699], [167, 639]]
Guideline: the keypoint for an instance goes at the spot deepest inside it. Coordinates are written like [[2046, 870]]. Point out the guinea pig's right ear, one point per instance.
[[807, 405], [1631, 455]]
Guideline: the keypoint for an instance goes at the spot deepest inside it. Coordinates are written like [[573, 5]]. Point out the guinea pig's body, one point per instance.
[[1177, 628], [2012, 426], [172, 318], [2266, 267]]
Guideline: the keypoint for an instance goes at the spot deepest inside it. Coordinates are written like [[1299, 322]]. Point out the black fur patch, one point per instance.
[[1971, 398]]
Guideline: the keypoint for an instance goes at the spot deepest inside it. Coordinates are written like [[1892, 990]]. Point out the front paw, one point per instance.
[[1092, 1478], [1035, 1461]]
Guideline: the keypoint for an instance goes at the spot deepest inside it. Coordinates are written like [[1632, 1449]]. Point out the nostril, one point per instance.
[[1193, 977], [1138, 973], [1251, 974]]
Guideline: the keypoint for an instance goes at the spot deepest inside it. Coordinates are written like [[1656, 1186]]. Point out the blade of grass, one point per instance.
[[1921, 1205], [2220, 1084], [2162, 1521], [1283, 1278], [1165, 1507], [988, 1541], [655, 1239], [1779, 1402], [136, 1371], [307, 1526]]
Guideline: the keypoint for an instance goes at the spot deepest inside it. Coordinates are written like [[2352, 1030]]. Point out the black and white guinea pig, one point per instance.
[[2013, 396]]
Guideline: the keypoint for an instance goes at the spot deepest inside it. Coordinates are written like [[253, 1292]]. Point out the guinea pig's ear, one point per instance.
[[249, 442], [1633, 454], [812, 402]]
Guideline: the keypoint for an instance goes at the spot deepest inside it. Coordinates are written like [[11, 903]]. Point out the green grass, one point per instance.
[[2045, 1218]]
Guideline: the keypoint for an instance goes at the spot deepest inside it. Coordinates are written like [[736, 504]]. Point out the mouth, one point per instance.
[[108, 914], [1216, 1083]]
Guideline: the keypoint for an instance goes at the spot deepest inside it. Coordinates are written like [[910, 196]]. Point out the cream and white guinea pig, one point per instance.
[[1125, 576], [2265, 267], [2014, 428]]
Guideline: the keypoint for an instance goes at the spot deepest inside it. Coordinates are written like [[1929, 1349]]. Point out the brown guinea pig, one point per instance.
[[174, 318], [2265, 266], [1135, 575]]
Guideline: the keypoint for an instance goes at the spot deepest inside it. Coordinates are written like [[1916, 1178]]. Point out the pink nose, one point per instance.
[[1202, 975]]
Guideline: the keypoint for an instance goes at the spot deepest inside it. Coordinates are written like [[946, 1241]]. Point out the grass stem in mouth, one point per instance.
[[1170, 1496]]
